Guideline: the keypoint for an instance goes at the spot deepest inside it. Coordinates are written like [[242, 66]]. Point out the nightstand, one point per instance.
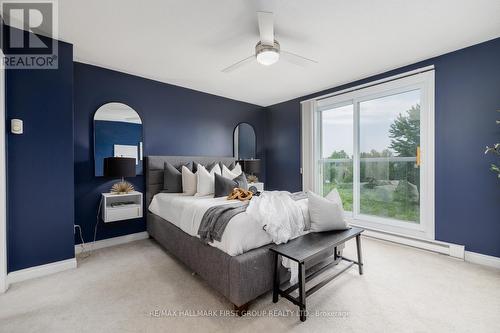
[[259, 186], [118, 207]]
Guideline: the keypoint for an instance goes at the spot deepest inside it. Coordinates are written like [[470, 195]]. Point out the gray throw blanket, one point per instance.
[[215, 219]]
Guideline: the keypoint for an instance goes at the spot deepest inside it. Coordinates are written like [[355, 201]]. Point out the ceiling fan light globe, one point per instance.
[[268, 57]]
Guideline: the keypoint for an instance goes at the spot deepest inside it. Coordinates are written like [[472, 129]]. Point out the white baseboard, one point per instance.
[[482, 259], [42, 270], [112, 241], [3, 285], [55, 267], [452, 250]]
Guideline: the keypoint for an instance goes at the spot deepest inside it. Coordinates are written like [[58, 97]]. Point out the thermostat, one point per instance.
[[16, 126]]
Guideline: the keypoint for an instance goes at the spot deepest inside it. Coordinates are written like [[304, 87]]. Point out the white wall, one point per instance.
[[3, 220]]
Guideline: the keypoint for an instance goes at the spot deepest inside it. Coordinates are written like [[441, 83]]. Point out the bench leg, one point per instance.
[[276, 281], [302, 291], [360, 258]]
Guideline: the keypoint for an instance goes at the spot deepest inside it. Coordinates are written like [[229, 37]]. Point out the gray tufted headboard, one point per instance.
[[155, 165]]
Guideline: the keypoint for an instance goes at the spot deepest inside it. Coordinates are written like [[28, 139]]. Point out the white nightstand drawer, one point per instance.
[[123, 213]]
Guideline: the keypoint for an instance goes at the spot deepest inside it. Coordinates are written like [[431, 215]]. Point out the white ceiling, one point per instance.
[[188, 42]]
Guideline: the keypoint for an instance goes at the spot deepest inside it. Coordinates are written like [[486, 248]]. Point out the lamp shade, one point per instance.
[[250, 166], [119, 167]]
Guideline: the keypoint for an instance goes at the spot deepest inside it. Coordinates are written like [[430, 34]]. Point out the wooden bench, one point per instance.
[[303, 250]]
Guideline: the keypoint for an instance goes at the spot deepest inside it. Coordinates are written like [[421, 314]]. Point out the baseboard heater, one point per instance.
[[452, 250]]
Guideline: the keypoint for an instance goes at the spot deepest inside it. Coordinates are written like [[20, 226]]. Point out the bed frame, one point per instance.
[[240, 278]]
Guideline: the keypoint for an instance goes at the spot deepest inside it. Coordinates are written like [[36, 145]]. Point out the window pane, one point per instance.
[[389, 140], [337, 132], [336, 152]]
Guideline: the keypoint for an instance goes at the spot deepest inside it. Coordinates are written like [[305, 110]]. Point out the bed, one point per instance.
[[233, 267]]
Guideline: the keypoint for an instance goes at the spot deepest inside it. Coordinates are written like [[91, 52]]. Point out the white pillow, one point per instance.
[[205, 181], [231, 174], [216, 170], [326, 213], [188, 181], [334, 196], [237, 169]]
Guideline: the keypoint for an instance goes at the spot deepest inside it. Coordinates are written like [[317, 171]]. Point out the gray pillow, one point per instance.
[[224, 186], [242, 181], [172, 177]]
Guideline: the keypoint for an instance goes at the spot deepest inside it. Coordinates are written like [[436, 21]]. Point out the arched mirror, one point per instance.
[[117, 133], [244, 142]]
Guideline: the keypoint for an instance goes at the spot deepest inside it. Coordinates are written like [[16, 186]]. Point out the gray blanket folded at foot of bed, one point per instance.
[[216, 218]]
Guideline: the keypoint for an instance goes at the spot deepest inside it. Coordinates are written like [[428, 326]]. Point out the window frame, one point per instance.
[[423, 81]]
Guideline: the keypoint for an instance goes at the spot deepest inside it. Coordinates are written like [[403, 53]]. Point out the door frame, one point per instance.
[[422, 80]]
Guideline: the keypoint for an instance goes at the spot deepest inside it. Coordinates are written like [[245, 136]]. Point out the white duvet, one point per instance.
[[243, 233], [281, 217]]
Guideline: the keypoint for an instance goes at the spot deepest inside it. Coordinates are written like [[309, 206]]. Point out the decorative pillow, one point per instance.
[[242, 181], [188, 181], [172, 177], [205, 180], [214, 168], [224, 186], [237, 169], [212, 165], [326, 214], [334, 196], [233, 173], [230, 166], [208, 166]]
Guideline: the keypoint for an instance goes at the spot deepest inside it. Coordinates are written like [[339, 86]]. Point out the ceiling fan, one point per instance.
[[268, 50]]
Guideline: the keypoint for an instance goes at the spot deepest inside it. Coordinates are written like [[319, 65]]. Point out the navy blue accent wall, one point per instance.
[[51, 182], [467, 96], [109, 133], [40, 187], [176, 121]]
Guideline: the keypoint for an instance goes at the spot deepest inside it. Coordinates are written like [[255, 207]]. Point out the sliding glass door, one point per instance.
[[369, 147], [389, 141], [337, 149]]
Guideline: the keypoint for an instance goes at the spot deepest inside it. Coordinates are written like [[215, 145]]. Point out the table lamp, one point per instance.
[[120, 167], [251, 168]]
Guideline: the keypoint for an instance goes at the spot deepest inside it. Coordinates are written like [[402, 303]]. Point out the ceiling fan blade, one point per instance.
[[266, 27], [238, 64], [297, 59]]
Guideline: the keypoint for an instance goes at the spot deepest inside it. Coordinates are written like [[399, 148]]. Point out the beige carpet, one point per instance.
[[137, 287]]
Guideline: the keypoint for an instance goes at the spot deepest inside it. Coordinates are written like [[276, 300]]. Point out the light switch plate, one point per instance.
[[16, 126]]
